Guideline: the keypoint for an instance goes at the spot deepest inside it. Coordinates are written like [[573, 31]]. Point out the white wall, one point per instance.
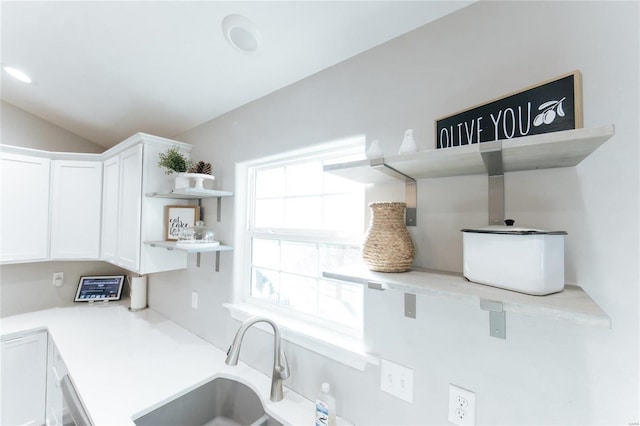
[[28, 287], [545, 372], [20, 128]]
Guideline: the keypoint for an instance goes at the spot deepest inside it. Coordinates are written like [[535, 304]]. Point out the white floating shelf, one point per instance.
[[361, 171], [171, 245], [190, 194], [573, 304], [558, 149]]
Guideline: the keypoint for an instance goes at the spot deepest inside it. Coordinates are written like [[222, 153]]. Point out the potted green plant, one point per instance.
[[174, 161], [186, 170]]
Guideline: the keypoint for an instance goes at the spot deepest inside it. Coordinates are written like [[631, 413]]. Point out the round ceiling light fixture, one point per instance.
[[17, 74], [241, 33]]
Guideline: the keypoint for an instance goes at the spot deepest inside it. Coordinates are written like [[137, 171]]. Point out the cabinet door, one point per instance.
[[24, 200], [110, 197], [130, 201], [56, 370], [76, 197], [153, 259], [23, 379]]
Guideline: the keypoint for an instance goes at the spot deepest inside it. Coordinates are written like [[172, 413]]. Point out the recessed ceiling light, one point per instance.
[[17, 74], [241, 33]]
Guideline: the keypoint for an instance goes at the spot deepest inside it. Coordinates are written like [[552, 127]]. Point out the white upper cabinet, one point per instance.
[[122, 191], [128, 217], [152, 219], [63, 206], [110, 200], [24, 204], [76, 197]]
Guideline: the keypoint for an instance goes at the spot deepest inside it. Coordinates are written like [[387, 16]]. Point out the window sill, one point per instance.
[[316, 339]]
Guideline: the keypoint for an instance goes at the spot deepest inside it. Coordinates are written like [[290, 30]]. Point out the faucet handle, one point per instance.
[[283, 369]]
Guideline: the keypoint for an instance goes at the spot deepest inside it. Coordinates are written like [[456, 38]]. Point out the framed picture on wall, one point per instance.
[[177, 218], [551, 106]]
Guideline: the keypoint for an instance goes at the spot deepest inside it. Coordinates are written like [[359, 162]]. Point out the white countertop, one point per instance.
[[125, 364]]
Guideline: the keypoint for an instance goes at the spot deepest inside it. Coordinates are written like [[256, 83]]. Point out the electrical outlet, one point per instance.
[[462, 406], [194, 299], [58, 278], [396, 380]]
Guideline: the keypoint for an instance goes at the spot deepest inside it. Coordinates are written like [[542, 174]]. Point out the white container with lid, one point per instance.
[[526, 260]]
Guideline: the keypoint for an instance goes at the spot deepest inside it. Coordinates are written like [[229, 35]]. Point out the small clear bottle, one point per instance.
[[325, 407]]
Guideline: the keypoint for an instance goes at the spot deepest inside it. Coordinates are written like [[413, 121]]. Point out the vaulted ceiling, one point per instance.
[[106, 70]]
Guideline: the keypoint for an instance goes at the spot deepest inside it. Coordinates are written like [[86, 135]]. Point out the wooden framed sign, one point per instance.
[[550, 106], [177, 218]]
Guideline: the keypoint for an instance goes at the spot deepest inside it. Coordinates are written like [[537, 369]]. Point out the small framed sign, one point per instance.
[[177, 218], [547, 107]]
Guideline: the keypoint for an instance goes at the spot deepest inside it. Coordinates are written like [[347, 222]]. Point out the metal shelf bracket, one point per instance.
[[217, 264], [410, 305], [376, 286], [409, 298], [491, 153], [410, 186], [497, 319]]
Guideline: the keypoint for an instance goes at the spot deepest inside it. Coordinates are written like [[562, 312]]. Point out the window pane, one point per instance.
[[304, 179], [300, 205], [270, 183], [265, 284], [266, 253], [343, 213], [303, 213], [334, 256], [300, 258], [340, 302], [335, 184], [269, 213], [301, 293]]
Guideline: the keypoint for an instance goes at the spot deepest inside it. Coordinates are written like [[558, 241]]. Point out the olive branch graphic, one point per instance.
[[549, 111]]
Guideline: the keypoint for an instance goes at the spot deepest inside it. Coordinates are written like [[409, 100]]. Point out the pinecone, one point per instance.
[[206, 169], [201, 167]]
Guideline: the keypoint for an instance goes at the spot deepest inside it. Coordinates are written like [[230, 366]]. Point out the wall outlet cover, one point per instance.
[[58, 278], [462, 406]]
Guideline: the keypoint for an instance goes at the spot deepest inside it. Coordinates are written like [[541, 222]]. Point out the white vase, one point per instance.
[[408, 143], [374, 150]]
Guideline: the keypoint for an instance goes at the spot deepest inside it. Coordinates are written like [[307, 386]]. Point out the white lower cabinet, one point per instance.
[[24, 204], [76, 197], [23, 379], [56, 412]]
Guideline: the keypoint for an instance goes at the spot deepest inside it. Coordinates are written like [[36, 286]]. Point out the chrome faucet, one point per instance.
[[280, 365]]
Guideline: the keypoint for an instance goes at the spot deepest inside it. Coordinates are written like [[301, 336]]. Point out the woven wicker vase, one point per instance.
[[387, 246]]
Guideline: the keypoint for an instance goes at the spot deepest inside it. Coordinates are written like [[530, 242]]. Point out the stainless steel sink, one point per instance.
[[219, 402]]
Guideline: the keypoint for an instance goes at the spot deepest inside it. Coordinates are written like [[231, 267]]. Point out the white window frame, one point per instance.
[[317, 336]]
